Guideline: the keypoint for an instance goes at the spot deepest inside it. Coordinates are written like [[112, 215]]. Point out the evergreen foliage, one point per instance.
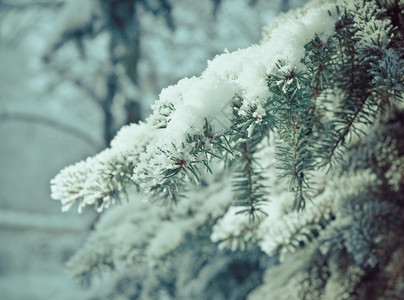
[[311, 133]]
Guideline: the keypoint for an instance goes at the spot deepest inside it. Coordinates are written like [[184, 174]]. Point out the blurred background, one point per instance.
[[71, 74]]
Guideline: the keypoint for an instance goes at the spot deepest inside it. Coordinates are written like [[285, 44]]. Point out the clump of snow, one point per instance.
[[95, 178], [131, 137]]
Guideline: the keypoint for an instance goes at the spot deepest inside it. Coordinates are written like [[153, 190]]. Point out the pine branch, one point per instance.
[[363, 101], [295, 127], [341, 137], [248, 185], [249, 176], [250, 127]]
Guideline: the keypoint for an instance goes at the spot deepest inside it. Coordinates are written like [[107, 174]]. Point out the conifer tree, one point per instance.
[[307, 126]]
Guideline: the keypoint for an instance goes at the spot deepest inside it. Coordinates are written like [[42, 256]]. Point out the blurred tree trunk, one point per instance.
[[285, 5]]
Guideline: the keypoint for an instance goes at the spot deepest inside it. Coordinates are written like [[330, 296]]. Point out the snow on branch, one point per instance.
[[175, 143]]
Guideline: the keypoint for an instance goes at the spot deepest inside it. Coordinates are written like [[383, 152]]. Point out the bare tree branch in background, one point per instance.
[[42, 120], [120, 19], [31, 4]]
